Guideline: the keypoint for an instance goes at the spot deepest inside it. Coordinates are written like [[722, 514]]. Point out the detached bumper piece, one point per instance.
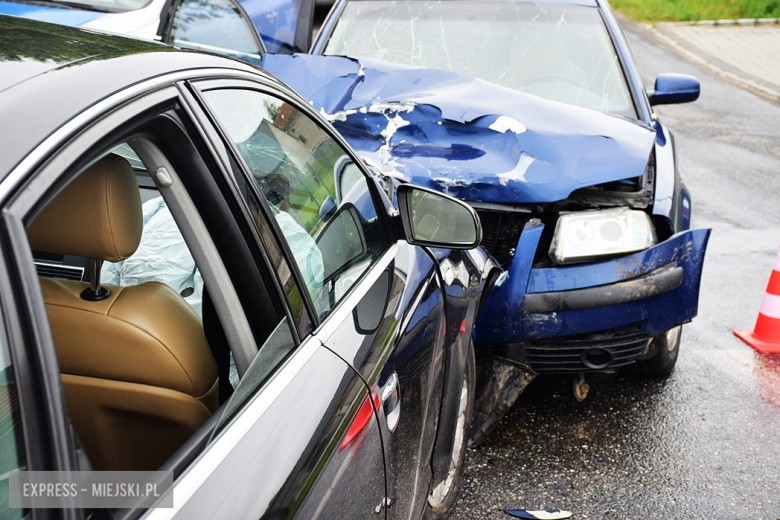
[[593, 316], [653, 284]]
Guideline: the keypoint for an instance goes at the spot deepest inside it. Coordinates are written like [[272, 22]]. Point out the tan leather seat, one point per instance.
[[138, 374]]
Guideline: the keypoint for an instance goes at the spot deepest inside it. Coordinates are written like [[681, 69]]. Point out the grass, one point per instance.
[[693, 10]]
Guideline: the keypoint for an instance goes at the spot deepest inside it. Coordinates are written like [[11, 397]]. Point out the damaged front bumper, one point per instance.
[[595, 316]]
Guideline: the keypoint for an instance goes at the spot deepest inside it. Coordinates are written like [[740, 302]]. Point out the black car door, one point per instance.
[[300, 415], [376, 302]]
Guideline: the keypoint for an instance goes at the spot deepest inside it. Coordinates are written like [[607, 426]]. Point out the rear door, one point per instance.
[[280, 449]]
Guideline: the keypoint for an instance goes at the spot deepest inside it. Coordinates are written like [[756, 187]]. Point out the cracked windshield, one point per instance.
[[516, 45]]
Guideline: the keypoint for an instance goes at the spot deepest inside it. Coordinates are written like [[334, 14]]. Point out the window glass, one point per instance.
[[270, 357], [322, 207], [216, 26], [162, 256], [12, 453]]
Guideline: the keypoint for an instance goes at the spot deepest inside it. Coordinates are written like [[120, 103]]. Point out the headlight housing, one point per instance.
[[588, 235]]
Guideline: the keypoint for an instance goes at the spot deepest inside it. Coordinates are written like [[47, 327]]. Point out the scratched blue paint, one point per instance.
[[60, 15], [447, 142], [504, 322], [500, 316], [674, 250]]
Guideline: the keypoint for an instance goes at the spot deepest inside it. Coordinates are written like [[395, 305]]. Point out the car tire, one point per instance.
[[442, 498], [662, 363]]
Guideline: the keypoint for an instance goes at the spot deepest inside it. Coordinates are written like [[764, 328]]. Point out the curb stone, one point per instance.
[[726, 23], [691, 55]]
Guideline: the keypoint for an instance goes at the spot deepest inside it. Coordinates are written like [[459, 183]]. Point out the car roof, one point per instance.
[[49, 73]]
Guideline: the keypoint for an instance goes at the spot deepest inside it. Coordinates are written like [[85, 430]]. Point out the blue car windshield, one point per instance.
[[559, 52]]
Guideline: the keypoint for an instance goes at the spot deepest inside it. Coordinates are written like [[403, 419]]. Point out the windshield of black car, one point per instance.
[[559, 52], [107, 6]]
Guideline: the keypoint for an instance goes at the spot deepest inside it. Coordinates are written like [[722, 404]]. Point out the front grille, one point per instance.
[[500, 233], [584, 353]]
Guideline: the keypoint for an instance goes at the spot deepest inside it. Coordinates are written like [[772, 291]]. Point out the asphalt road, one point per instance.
[[706, 442]]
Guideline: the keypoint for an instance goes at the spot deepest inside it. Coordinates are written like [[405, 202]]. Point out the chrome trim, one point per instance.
[[391, 401], [503, 208]]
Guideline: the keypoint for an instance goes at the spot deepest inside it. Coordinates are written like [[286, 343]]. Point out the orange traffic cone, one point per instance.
[[766, 334]]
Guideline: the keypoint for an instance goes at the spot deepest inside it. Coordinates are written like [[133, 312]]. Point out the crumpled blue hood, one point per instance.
[[472, 139]]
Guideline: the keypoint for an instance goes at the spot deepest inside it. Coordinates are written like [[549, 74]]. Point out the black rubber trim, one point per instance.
[[652, 284]]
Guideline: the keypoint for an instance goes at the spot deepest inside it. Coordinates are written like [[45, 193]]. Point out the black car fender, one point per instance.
[[464, 276]]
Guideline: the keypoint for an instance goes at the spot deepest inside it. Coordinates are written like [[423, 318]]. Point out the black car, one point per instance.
[[199, 276]]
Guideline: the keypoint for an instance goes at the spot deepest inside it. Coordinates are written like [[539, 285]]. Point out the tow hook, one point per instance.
[[581, 388]]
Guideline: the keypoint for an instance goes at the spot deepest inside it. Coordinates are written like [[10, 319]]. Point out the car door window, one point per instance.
[[271, 356], [169, 258], [216, 26], [321, 201]]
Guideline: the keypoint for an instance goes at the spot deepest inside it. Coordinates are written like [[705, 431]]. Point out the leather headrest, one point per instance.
[[98, 215]]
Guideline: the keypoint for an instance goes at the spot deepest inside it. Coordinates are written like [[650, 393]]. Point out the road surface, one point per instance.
[[706, 442]]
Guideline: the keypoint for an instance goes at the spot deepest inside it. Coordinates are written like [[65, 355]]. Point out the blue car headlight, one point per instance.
[[589, 235]]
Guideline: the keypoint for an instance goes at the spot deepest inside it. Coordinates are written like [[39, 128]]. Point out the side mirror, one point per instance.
[[327, 209], [346, 174], [342, 241], [672, 89], [433, 219]]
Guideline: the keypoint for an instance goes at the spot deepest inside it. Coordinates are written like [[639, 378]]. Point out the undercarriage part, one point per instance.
[[581, 388], [500, 381]]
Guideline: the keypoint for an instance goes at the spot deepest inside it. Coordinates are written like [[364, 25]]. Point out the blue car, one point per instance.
[[543, 125], [243, 29]]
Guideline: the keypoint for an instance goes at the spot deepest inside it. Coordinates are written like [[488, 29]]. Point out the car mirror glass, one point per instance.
[[431, 218]]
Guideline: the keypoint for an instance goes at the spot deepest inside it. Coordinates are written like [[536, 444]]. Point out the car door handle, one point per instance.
[[391, 401]]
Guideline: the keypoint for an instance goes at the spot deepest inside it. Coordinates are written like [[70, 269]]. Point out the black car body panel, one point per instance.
[[317, 433]]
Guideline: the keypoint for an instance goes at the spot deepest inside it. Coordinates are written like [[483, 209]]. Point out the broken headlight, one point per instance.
[[588, 235]]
